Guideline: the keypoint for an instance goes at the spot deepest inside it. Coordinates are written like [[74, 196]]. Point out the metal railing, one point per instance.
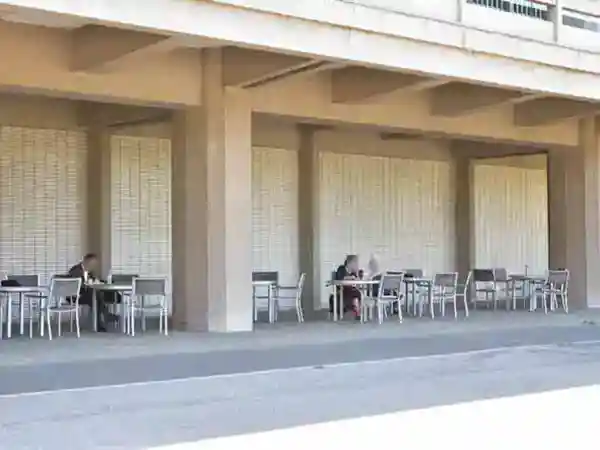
[[541, 10]]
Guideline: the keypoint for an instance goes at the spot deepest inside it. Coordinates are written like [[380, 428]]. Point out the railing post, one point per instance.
[[460, 10], [557, 19]]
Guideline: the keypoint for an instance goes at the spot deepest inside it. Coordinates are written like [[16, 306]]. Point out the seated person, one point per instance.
[[349, 295], [85, 270], [374, 274]]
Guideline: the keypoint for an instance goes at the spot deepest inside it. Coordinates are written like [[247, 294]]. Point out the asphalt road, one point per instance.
[[80, 374], [426, 399]]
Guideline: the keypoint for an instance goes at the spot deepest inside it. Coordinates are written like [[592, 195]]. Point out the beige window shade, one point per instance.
[[510, 211], [42, 200], [141, 206], [400, 209], [275, 213]]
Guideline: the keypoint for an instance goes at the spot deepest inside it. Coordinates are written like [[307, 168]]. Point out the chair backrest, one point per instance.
[[266, 276], [413, 273], [466, 284], [25, 280], [391, 284], [122, 278], [149, 286], [446, 280], [3, 275], [483, 276], [300, 286], [501, 274], [65, 288], [558, 277]]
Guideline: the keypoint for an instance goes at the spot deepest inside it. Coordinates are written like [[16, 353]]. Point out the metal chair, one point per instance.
[[141, 289], [63, 298], [272, 277], [33, 300], [417, 290], [388, 295], [295, 293], [444, 290], [484, 282], [462, 290], [555, 286], [503, 286], [122, 278]]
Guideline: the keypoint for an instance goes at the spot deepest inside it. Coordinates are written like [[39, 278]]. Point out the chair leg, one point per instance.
[[30, 306], [47, 314], [59, 318], [143, 314], [1, 319], [466, 306], [77, 328], [166, 319], [455, 308]]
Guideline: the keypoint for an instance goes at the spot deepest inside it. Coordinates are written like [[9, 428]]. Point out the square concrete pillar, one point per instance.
[[98, 201], [574, 217], [463, 221], [308, 219], [212, 208]]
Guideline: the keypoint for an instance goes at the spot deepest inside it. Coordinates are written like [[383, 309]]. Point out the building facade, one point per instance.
[[202, 140]]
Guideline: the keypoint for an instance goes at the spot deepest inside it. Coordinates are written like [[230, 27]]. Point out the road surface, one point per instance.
[[485, 395]]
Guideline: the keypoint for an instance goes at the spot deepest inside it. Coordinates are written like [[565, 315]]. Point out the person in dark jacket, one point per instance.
[[86, 270], [349, 295]]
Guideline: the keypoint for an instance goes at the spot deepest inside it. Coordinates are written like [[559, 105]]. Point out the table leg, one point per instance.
[[21, 314], [270, 304], [430, 299], [124, 312], [335, 304], [413, 295], [94, 310], [9, 316]]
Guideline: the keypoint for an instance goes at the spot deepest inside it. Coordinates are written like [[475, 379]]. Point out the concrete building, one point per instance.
[[203, 139]]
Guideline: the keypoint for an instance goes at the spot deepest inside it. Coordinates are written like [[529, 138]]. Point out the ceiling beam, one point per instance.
[[458, 99], [96, 46], [252, 68], [360, 84], [548, 110]]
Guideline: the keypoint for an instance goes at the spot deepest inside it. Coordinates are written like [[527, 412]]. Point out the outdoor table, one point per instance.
[[529, 284], [269, 285], [413, 282], [106, 287], [21, 291], [359, 284]]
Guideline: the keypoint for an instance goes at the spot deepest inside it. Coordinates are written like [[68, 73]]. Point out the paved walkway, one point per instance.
[[23, 351], [101, 360], [423, 403]]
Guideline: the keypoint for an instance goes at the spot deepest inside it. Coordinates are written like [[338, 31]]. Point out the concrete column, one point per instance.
[[574, 215], [463, 220], [212, 208], [98, 214], [308, 219]]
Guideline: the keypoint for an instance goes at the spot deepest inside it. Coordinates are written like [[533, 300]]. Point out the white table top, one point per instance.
[[418, 280], [110, 287], [263, 283], [354, 282], [521, 277], [22, 289]]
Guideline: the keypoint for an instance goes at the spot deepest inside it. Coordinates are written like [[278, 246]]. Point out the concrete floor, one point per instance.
[[295, 377]]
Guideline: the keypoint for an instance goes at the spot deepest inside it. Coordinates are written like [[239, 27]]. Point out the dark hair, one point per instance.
[[89, 256], [349, 259]]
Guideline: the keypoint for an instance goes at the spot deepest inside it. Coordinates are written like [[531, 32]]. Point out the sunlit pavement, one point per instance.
[[566, 419], [412, 402]]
